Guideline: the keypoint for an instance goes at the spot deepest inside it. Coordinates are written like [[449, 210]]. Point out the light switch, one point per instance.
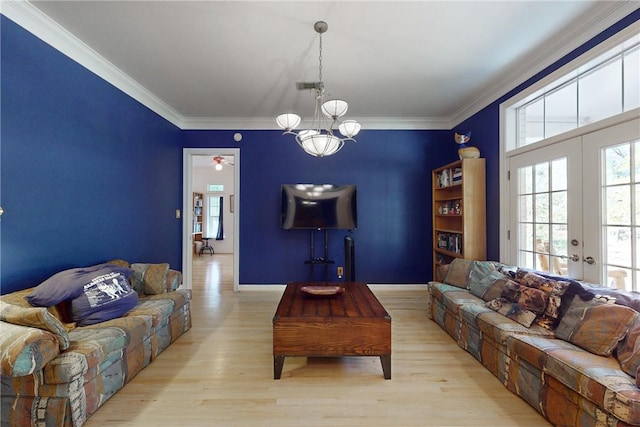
[[177, 213]]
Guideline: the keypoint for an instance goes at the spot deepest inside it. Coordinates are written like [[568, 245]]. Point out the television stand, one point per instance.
[[313, 260]]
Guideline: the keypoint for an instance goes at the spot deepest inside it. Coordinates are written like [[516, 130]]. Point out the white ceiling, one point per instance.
[[399, 64]]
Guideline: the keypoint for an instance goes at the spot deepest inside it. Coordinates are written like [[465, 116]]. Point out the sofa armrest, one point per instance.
[[25, 350]]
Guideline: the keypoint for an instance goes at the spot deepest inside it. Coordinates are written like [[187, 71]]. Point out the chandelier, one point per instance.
[[319, 140]]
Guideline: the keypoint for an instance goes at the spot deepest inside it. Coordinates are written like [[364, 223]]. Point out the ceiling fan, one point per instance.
[[218, 161]]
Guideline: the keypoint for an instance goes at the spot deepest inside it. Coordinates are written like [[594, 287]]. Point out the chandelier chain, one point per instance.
[[320, 58]]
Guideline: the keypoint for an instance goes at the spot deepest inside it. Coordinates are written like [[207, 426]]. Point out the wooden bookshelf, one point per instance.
[[197, 216], [459, 212]]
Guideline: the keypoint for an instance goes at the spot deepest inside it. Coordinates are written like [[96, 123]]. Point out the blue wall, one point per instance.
[[392, 170], [87, 173]]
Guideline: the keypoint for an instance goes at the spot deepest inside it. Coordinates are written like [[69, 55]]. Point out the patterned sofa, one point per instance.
[[572, 352], [56, 373]]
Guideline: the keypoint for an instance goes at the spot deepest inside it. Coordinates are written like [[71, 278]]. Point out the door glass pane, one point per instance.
[[542, 177], [617, 164], [559, 174], [619, 278], [618, 246], [526, 237], [525, 180], [618, 205], [559, 207], [542, 207], [526, 208]]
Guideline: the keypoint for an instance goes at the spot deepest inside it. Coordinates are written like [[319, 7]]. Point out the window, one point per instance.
[[601, 88], [213, 219], [215, 188]]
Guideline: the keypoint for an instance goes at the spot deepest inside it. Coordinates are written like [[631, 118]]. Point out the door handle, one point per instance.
[[590, 260], [574, 257]]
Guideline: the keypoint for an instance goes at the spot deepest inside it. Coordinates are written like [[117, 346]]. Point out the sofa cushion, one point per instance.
[[69, 284], [35, 317], [595, 326], [628, 351]]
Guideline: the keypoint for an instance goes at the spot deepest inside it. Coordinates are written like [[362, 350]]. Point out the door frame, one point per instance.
[[187, 213]]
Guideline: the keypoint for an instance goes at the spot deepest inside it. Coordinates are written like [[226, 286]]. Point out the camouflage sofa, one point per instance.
[[56, 373], [572, 352]]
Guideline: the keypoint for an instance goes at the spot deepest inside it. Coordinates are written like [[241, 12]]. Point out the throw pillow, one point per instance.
[[458, 273], [105, 297], [628, 350], [174, 280], [155, 279], [595, 326], [483, 278], [513, 311], [69, 284], [555, 289], [151, 279], [35, 317], [532, 299]]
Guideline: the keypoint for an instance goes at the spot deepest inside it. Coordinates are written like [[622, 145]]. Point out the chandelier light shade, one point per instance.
[[288, 121], [319, 140]]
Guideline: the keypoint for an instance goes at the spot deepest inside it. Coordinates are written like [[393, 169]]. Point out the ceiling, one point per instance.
[[399, 64]]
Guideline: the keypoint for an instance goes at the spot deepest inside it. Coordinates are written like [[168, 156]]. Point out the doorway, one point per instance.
[[189, 159]]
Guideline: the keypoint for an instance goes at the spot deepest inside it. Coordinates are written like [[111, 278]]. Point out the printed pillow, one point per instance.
[[137, 277], [555, 289], [35, 317], [105, 297], [458, 273], [531, 299], [483, 278], [595, 326], [513, 311], [174, 280], [155, 279], [69, 284], [628, 350]]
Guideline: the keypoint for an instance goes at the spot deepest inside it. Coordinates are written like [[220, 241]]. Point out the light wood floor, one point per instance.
[[220, 373]]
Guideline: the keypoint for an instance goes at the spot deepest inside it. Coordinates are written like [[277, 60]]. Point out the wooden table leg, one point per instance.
[[386, 366], [278, 362]]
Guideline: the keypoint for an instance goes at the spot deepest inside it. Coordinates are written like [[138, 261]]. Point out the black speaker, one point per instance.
[[349, 259]]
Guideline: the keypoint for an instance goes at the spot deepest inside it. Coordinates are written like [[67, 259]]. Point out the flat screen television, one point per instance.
[[319, 206]]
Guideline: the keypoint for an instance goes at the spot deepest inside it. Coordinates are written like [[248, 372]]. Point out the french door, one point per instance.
[[574, 207]]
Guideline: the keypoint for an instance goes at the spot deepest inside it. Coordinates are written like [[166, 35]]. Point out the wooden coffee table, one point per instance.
[[352, 323]]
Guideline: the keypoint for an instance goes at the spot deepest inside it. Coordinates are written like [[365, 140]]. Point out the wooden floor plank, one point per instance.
[[220, 373]]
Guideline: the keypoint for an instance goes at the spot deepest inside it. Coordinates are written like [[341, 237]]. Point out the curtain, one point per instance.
[[220, 235]]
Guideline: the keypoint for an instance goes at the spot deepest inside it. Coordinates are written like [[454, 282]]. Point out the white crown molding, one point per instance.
[[40, 25], [571, 38], [269, 123]]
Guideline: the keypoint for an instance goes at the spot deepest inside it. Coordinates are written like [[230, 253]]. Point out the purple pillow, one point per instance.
[[69, 284], [105, 297]]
